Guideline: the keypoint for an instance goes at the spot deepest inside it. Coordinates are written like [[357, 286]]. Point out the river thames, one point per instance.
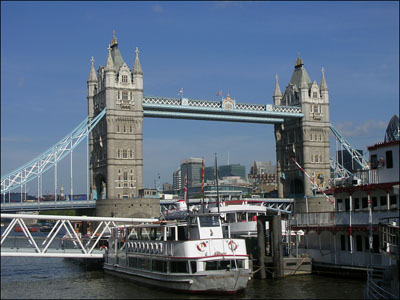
[[57, 278]]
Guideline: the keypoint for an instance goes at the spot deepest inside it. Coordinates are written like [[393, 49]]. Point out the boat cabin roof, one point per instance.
[[183, 222]]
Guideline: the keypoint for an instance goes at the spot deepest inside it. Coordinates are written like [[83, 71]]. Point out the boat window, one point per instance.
[[224, 265], [156, 234], [179, 267], [364, 202], [144, 263], [193, 266], [209, 221], [170, 233], [193, 221], [366, 243], [133, 262], [241, 217], [393, 200], [252, 216], [240, 263], [159, 266], [183, 233], [356, 203], [225, 230], [383, 200], [359, 243], [230, 218]]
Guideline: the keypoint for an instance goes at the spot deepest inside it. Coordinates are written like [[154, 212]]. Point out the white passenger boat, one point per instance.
[[195, 255]]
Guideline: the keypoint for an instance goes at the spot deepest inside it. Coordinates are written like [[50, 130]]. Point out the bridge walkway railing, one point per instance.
[[61, 240]]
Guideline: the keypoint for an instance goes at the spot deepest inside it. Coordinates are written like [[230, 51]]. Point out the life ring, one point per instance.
[[103, 247], [232, 245], [201, 246], [381, 162]]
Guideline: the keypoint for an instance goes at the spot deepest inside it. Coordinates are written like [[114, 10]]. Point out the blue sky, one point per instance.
[[204, 47]]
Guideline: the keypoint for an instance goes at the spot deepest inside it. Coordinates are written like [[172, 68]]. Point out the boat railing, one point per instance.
[[355, 259], [340, 218], [179, 248], [389, 236], [374, 286]]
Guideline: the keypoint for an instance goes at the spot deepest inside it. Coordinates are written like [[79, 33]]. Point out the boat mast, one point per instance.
[[216, 178]]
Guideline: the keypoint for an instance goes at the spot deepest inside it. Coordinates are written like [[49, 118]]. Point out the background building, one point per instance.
[[344, 158], [167, 187], [193, 168], [263, 177], [232, 170], [176, 180], [209, 173]]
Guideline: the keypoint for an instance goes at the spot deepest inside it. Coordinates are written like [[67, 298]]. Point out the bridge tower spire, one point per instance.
[[306, 139], [277, 92]]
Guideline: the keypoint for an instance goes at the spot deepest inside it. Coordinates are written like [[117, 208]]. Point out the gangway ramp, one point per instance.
[[61, 234]]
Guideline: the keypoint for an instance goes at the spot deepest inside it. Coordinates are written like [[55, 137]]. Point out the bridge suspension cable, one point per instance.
[[49, 158], [355, 155]]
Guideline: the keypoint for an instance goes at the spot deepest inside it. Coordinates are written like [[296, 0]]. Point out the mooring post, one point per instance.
[[277, 258], [261, 274]]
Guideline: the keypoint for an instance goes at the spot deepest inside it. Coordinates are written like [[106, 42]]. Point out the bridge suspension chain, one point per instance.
[[338, 169], [49, 158]]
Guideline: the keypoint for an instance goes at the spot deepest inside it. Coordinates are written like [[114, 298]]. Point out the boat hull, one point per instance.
[[222, 282]]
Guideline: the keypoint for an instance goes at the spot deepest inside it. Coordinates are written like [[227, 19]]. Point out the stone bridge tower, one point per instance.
[[306, 139], [116, 160]]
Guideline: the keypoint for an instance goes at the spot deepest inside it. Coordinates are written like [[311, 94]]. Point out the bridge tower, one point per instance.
[[306, 139], [115, 144]]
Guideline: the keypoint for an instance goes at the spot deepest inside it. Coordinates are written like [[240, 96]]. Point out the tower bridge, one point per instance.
[[114, 128]]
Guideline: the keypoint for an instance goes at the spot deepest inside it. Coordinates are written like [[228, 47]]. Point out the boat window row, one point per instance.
[[241, 217], [163, 266], [378, 202]]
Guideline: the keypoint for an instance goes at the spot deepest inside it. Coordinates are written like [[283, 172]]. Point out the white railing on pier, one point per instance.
[[53, 244]]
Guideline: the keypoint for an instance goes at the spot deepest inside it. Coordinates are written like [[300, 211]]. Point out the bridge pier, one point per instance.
[[312, 204], [128, 208]]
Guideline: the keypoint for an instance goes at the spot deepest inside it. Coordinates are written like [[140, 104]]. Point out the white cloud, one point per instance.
[[157, 8], [366, 128]]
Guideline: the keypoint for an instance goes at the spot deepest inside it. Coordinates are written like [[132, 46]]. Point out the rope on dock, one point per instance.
[[266, 269]]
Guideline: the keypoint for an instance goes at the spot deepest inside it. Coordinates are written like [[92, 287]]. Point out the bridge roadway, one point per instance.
[[46, 205]]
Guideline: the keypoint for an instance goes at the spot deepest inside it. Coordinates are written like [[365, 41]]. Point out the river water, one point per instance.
[[57, 278]]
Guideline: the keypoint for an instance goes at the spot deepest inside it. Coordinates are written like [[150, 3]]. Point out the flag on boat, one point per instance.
[[202, 176], [180, 92], [219, 93]]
